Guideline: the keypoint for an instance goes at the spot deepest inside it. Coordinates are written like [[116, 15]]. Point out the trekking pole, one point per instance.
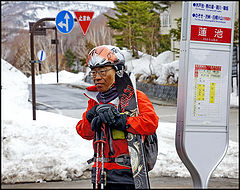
[[102, 141], [99, 141], [102, 172], [97, 159]]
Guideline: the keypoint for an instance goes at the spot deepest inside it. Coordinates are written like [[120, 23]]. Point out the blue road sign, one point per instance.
[[64, 22]]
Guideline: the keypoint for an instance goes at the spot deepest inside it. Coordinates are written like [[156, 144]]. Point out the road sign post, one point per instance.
[[56, 39], [32, 61], [40, 30], [202, 129]]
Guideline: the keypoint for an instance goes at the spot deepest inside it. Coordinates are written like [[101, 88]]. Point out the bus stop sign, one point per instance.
[[202, 129]]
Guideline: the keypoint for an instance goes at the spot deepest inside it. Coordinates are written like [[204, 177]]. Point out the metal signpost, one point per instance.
[[202, 129], [32, 30], [55, 41]]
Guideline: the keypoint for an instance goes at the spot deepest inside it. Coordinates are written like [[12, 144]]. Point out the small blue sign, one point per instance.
[[41, 55], [64, 22]]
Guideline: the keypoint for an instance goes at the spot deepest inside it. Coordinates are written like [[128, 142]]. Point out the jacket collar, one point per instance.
[[91, 92]]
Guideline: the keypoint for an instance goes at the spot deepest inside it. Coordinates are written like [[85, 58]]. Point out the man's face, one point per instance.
[[103, 77]]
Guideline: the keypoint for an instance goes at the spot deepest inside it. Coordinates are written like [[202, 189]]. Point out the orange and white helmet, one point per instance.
[[106, 55]]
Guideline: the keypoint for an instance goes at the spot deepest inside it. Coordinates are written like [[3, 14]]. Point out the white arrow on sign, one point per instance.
[[61, 24]]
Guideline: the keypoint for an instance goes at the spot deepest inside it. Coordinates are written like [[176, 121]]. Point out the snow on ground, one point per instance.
[[50, 148]]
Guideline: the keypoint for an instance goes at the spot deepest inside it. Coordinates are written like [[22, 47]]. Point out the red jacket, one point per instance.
[[145, 123]]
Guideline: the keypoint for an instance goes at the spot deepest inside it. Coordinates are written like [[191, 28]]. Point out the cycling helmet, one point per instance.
[[106, 55]]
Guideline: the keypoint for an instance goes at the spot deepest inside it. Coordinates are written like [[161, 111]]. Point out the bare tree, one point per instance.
[[21, 58]]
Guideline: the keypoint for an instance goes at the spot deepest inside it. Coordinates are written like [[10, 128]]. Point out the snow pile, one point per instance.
[[46, 149], [50, 148], [14, 86], [63, 77], [163, 66]]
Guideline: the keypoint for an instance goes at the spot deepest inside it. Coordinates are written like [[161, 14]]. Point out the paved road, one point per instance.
[[155, 183], [59, 97]]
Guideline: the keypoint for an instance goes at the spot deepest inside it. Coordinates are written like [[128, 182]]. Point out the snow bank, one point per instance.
[[46, 149], [162, 66], [63, 77]]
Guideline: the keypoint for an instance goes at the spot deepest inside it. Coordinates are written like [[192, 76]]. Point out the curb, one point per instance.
[[48, 106]]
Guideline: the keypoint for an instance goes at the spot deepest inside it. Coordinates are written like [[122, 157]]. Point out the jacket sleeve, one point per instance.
[[83, 127], [146, 122]]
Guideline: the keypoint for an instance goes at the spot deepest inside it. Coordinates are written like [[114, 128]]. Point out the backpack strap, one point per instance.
[[122, 160]]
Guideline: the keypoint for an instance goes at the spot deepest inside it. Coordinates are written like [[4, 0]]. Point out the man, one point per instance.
[[103, 110]]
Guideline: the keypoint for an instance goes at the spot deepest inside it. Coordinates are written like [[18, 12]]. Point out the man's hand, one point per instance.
[[91, 113], [96, 124], [109, 115]]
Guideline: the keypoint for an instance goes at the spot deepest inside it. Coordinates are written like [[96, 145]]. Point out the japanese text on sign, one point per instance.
[[210, 34], [212, 13], [84, 18], [206, 84]]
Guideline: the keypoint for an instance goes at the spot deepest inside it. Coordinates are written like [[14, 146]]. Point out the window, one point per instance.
[[165, 19]]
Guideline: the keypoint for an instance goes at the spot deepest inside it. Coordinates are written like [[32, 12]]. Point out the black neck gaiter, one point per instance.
[[107, 96]]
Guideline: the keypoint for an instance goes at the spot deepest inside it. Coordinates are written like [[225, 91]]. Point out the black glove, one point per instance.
[[91, 113], [96, 124], [107, 113], [120, 123], [111, 116]]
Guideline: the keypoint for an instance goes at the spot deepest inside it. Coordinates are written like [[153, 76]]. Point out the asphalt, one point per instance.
[[155, 183]]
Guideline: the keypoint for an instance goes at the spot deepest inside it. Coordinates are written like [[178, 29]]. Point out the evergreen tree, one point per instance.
[[164, 43], [69, 59], [176, 33], [137, 25]]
